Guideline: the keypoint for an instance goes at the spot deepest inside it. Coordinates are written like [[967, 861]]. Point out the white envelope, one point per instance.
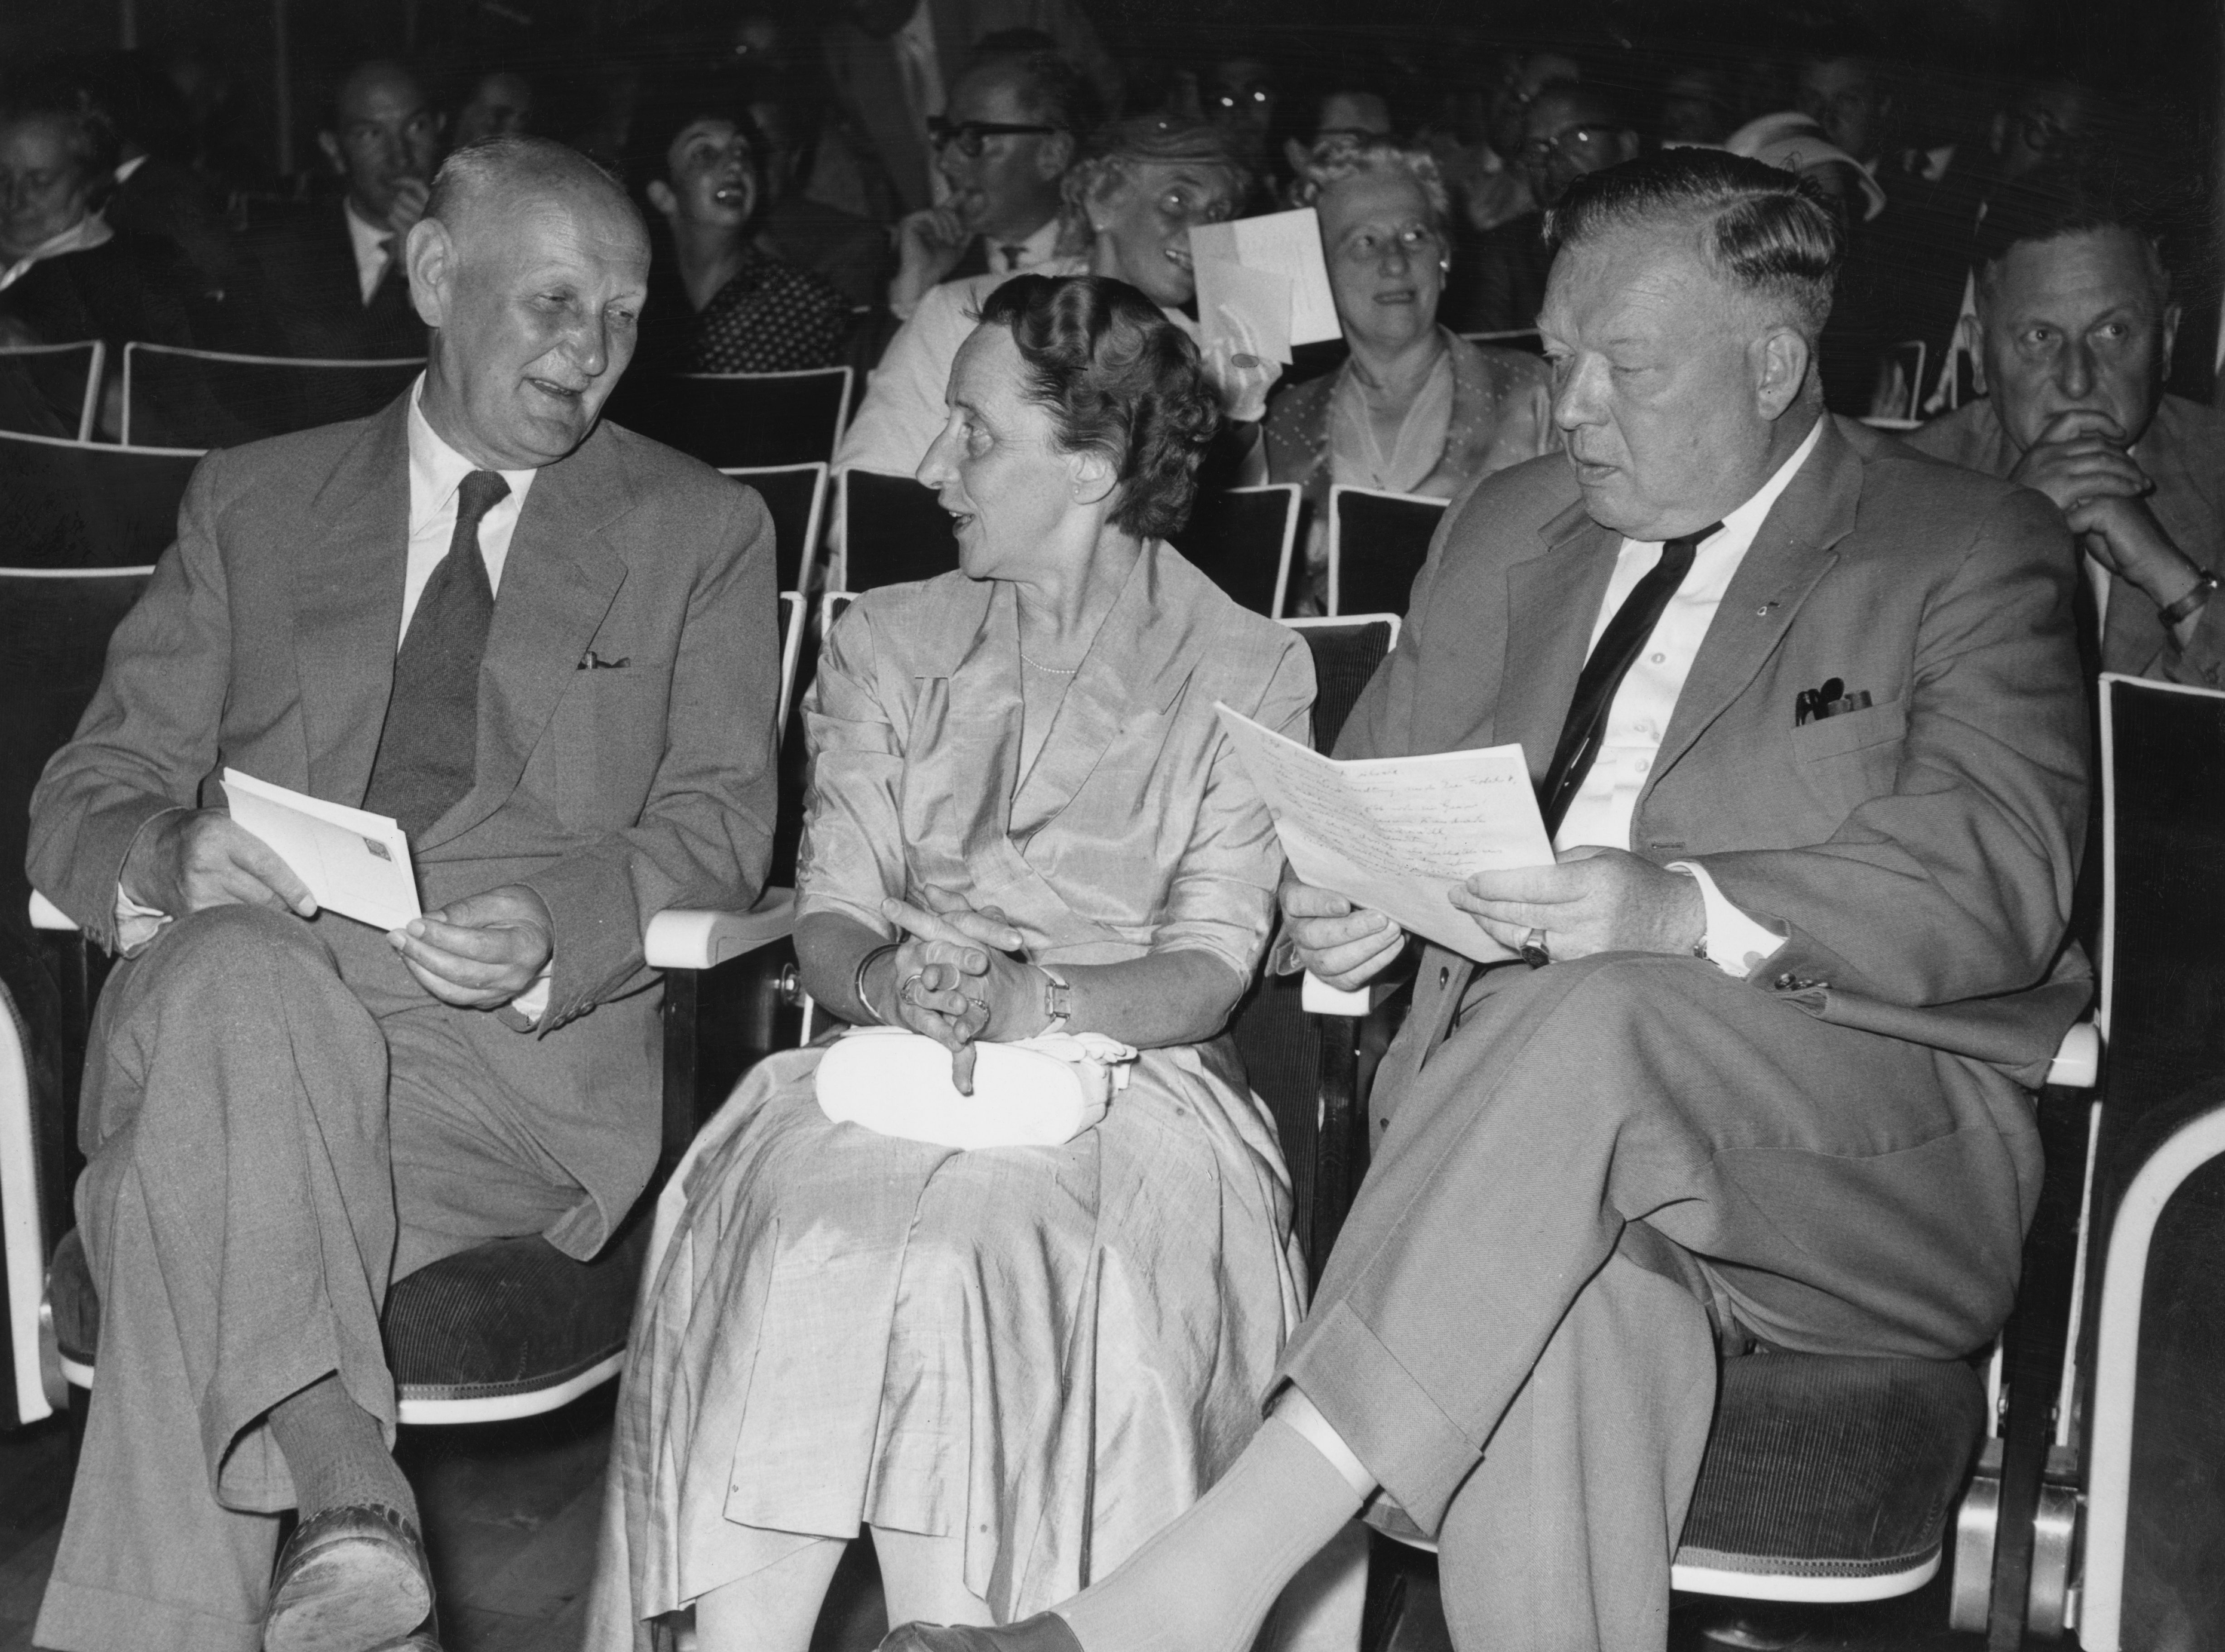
[[1279, 244], [356, 864]]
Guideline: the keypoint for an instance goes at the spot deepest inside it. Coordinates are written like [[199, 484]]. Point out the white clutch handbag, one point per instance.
[[1038, 1092]]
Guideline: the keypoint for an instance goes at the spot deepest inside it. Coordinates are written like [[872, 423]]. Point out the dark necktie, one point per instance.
[[428, 752], [1013, 256], [1612, 656]]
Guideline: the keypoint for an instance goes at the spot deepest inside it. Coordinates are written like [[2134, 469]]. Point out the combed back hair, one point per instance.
[[1051, 90], [1148, 140], [1119, 379], [2074, 198], [1767, 232], [511, 164], [1340, 156]]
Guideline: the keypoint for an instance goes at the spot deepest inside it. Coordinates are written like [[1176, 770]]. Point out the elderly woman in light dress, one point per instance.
[[1013, 1364], [1414, 408]]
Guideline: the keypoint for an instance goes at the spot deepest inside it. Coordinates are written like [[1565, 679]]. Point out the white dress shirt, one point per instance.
[[1601, 810], [1033, 253], [436, 475], [374, 246]]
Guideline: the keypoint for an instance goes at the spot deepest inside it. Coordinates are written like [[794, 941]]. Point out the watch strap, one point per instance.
[[2192, 602], [1058, 1000]]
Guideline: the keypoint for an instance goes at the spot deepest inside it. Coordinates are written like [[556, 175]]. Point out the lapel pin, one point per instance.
[[1762, 611]]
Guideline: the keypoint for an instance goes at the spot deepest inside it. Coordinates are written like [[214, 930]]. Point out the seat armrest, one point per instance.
[[1318, 997], [684, 939], [2077, 1060], [45, 915]]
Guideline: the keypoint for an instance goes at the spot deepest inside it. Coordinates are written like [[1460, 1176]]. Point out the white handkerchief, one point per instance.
[[1038, 1092]]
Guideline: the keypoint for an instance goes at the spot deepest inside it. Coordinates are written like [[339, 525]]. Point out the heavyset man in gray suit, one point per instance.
[[571, 709], [1838, 751]]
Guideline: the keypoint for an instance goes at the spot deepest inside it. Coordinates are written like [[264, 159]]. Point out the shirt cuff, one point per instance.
[[1736, 944], [136, 925], [532, 1004]]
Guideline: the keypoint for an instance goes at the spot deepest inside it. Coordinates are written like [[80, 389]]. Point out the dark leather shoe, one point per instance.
[[350, 1579], [1044, 1632]]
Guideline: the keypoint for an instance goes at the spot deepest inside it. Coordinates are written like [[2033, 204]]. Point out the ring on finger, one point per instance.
[[903, 990], [1534, 950]]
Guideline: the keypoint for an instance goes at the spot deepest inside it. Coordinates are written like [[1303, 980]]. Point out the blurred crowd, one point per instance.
[[811, 175]]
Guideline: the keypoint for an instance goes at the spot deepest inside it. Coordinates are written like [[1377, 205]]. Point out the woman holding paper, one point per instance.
[[1415, 408], [1012, 1363], [1130, 204]]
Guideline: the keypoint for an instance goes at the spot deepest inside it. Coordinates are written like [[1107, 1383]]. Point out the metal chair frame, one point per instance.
[[1337, 495], [814, 529], [847, 374], [96, 365], [136, 348]]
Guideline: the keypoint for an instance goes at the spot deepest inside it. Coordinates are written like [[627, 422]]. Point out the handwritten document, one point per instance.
[[1395, 833], [356, 864]]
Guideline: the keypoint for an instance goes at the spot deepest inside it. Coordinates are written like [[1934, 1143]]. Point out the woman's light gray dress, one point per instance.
[[1050, 1351]]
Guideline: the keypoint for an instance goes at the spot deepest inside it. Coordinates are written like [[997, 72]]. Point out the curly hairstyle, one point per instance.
[[1340, 156], [1117, 377]]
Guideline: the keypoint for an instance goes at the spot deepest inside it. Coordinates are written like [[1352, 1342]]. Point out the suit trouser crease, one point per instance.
[[1608, 1169], [239, 1210]]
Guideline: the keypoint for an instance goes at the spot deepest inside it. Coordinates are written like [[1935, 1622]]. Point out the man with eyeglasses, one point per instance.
[[335, 275], [895, 65], [1011, 132], [1569, 131]]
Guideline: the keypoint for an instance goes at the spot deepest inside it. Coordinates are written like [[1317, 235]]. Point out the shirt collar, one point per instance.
[[125, 168], [1746, 522], [1038, 247], [90, 231], [436, 470]]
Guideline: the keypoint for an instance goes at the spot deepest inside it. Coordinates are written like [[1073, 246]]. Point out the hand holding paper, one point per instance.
[[1396, 833], [355, 863]]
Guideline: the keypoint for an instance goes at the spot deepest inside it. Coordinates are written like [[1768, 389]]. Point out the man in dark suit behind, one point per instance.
[[333, 273], [546, 647], [1805, 715]]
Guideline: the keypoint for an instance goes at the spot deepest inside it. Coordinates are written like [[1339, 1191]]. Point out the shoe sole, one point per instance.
[[348, 1596]]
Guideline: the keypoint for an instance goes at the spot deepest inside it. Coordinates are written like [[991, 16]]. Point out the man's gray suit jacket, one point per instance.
[[266, 642]]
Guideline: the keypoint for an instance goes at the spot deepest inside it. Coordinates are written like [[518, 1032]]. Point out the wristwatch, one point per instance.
[[2204, 582], [1058, 1000]]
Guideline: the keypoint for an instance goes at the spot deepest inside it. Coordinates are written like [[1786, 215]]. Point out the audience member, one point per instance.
[[1130, 205], [499, 104], [1569, 129], [359, 1104], [1347, 106], [1015, 124], [154, 190], [1242, 98], [334, 273], [892, 64], [718, 301], [2076, 324], [850, 252], [1843, 89], [1414, 408], [1695, 107], [998, 774], [1757, 1078], [65, 274]]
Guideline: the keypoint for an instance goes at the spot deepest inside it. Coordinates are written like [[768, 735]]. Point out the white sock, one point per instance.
[[1206, 1583]]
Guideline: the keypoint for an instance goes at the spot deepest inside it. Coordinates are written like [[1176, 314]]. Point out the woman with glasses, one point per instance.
[[1415, 408], [1129, 206], [720, 301]]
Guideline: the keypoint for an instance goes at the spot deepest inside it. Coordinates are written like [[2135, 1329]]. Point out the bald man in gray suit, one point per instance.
[[548, 647]]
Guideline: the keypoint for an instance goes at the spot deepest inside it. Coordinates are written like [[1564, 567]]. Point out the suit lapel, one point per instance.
[[1552, 602], [347, 605], [1790, 555], [558, 582]]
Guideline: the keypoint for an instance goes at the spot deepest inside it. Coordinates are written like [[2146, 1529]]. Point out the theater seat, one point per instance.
[[1829, 1478], [509, 1329]]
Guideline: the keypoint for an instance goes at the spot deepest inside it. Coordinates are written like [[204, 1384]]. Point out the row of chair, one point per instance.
[[203, 398]]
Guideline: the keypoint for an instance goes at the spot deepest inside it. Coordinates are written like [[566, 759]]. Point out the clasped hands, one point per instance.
[[477, 953], [952, 977], [1594, 900], [2080, 462]]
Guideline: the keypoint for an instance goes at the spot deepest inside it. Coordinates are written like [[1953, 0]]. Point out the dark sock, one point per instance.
[[336, 1452]]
